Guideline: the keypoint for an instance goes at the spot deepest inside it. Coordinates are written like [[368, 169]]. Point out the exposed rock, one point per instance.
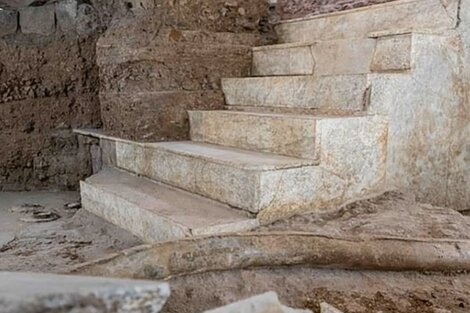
[[38, 20], [66, 12], [264, 303], [35, 293], [326, 308]]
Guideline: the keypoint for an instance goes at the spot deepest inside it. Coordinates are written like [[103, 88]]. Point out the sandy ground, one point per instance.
[[76, 237]]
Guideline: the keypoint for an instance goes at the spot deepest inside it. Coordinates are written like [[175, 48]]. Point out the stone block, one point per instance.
[[8, 22], [38, 20], [326, 308], [66, 14], [392, 54], [155, 212], [264, 303], [338, 92], [35, 293]]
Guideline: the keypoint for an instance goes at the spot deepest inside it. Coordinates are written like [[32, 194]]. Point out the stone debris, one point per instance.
[[73, 206], [326, 308], [35, 213], [264, 303], [34, 293]]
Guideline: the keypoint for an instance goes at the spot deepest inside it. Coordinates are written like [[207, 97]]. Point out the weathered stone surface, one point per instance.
[[326, 308], [392, 53], [332, 57], [357, 23], [283, 60], [35, 293], [355, 149], [66, 12], [8, 22], [38, 20], [292, 135], [244, 179], [346, 92], [264, 303], [155, 212]]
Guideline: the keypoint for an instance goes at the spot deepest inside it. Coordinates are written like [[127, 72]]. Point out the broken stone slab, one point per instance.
[[34, 293], [38, 20], [264, 303], [8, 22], [326, 308]]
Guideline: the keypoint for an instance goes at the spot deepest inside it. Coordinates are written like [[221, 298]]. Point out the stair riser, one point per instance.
[[129, 216], [407, 14], [338, 57], [345, 92], [251, 190], [284, 135]]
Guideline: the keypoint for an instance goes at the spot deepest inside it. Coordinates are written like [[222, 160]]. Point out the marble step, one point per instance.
[[333, 57], [338, 92], [419, 15], [285, 134], [156, 212], [248, 180], [39, 293]]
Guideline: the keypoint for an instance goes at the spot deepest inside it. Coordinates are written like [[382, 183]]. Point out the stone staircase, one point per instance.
[[297, 136]]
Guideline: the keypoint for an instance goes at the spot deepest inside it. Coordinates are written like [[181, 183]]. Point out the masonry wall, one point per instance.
[[48, 86]]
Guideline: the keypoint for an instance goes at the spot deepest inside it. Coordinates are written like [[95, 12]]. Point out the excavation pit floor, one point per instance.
[[78, 236]]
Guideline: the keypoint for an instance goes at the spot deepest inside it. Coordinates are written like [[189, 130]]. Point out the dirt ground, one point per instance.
[[52, 247], [78, 236]]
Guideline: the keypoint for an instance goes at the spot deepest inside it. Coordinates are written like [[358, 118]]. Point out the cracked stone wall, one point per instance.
[[302, 8], [48, 86]]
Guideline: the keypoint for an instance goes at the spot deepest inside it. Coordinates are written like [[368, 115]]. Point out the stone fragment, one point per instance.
[[264, 303], [34, 293], [66, 14], [392, 54], [326, 308], [38, 20], [8, 22]]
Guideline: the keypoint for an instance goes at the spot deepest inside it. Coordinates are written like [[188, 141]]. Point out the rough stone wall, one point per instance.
[[48, 86], [302, 8], [168, 57]]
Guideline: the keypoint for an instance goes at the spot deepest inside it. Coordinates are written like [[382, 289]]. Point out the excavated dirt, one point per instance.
[[53, 247], [393, 214], [302, 8]]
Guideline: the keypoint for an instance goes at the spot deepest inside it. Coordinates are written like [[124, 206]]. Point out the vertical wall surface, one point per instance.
[[48, 86], [168, 57]]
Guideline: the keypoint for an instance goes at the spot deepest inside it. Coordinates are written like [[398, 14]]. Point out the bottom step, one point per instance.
[[156, 212]]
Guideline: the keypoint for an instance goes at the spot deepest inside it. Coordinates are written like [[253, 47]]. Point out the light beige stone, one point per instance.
[[393, 53], [326, 308], [346, 92], [244, 179], [155, 212], [355, 149], [35, 293], [283, 60], [421, 15], [285, 134]]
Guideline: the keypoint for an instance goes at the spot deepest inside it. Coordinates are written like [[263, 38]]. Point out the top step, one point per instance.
[[417, 15]]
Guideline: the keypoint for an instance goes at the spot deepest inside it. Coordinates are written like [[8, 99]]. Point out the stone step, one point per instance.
[[333, 57], [248, 180], [338, 92], [419, 15], [285, 134], [156, 212], [36, 293]]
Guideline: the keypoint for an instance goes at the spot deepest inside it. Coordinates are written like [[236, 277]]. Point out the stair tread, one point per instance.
[[179, 206], [311, 116], [232, 156]]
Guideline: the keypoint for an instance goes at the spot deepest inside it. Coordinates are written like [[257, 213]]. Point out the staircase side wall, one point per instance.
[[428, 110]]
